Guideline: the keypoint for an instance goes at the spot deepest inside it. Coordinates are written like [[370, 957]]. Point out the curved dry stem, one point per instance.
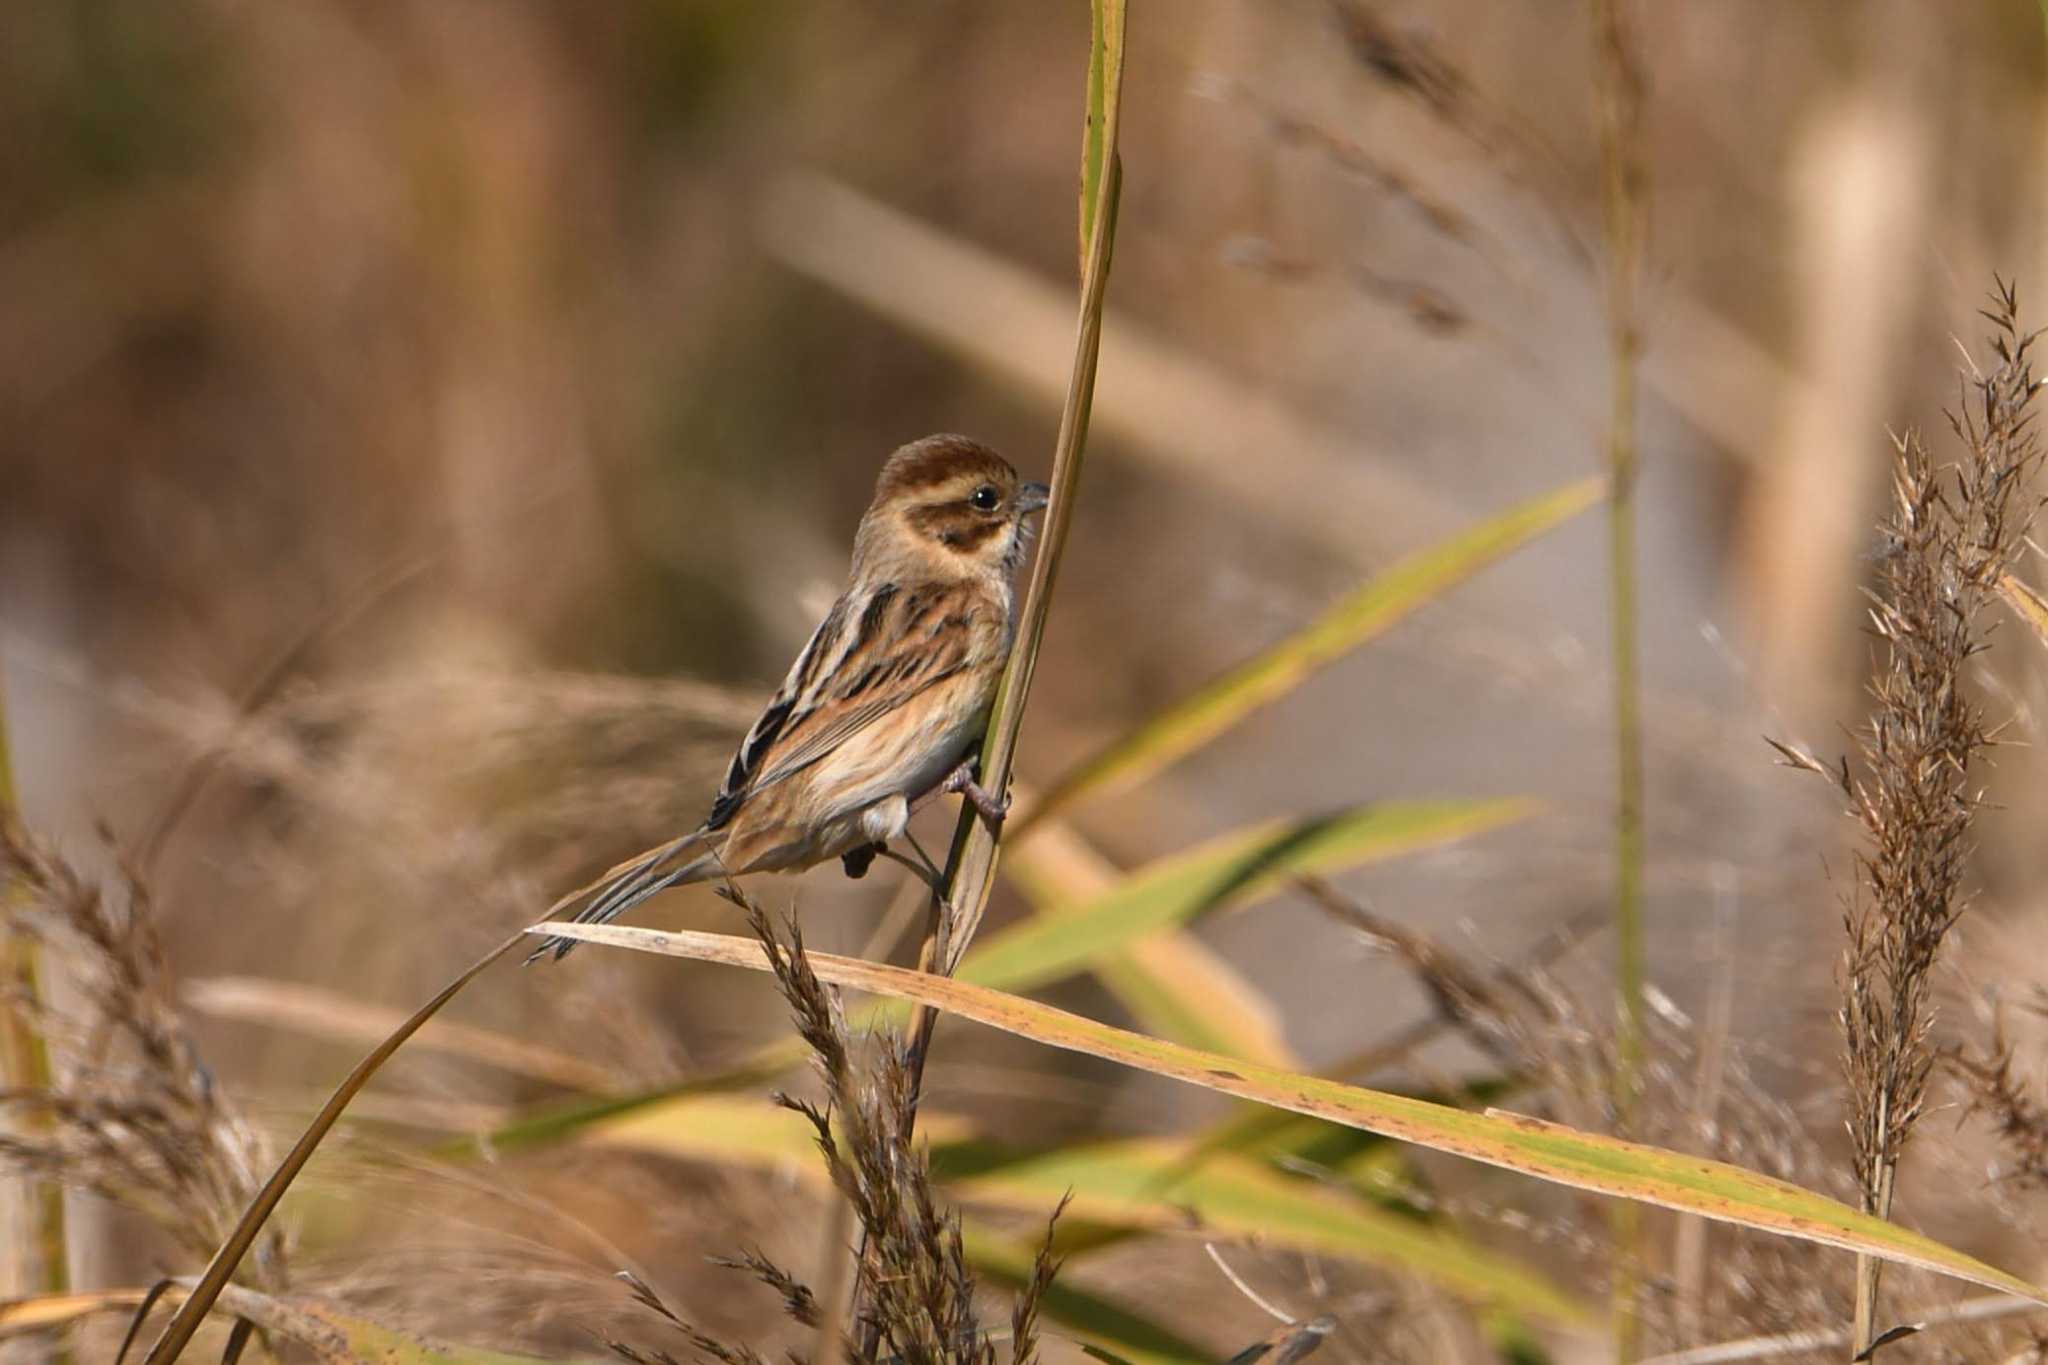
[[178, 1333]]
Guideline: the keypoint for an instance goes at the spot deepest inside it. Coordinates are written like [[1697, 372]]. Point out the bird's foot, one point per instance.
[[857, 861], [992, 808]]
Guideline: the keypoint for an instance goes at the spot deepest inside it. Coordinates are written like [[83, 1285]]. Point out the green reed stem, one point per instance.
[[1623, 184]]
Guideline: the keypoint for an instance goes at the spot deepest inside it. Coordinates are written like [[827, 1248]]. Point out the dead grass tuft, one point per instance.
[[133, 1113]]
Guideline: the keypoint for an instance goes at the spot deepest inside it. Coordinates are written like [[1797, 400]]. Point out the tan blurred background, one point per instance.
[[433, 371]]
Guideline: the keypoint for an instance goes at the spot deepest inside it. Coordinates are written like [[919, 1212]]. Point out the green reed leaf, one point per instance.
[[1366, 612]]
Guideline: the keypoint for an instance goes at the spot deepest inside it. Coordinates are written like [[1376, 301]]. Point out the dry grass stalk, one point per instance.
[[2018, 1117], [1952, 533], [919, 1304], [1498, 1013], [133, 1114], [1555, 1041]]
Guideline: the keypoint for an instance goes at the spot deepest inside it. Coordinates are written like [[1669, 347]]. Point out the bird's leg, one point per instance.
[[962, 780], [926, 873], [932, 872]]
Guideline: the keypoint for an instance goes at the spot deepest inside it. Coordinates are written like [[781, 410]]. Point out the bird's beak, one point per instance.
[[1032, 497]]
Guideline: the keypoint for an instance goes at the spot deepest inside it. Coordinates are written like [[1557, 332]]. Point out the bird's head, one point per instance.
[[947, 507]]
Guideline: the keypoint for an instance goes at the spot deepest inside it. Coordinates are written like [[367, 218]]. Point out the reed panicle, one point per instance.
[[919, 1308], [1951, 533]]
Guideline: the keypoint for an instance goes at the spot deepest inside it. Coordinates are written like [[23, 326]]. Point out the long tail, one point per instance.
[[630, 883]]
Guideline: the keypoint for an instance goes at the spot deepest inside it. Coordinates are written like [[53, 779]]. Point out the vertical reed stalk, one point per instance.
[[25, 1067], [971, 865], [1623, 198]]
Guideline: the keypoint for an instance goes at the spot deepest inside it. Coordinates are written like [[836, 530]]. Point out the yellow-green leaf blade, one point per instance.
[[755, 1134], [333, 1338], [1532, 1147], [1121, 1182], [1175, 987], [1172, 983], [1366, 612], [550, 1124], [1176, 889], [1127, 1183]]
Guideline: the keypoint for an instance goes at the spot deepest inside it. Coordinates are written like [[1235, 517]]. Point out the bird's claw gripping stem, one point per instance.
[[993, 808]]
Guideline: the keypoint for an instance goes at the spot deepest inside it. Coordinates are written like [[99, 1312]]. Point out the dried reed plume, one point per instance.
[[133, 1114], [917, 1304], [1951, 533]]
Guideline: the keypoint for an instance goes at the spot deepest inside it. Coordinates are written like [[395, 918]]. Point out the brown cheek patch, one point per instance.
[[956, 526], [973, 536]]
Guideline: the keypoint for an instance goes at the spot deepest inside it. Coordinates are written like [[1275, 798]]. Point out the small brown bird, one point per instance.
[[886, 704]]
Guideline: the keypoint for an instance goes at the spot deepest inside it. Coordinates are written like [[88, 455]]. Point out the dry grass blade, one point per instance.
[[1781, 1344], [328, 1014], [20, 1317], [1547, 1151], [185, 1322], [2030, 605], [325, 1336], [1291, 1343]]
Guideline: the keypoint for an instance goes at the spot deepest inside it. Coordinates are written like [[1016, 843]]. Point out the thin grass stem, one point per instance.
[[1618, 100], [25, 1067]]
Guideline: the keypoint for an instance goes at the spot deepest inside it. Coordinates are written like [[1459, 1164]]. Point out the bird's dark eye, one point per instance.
[[985, 498]]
